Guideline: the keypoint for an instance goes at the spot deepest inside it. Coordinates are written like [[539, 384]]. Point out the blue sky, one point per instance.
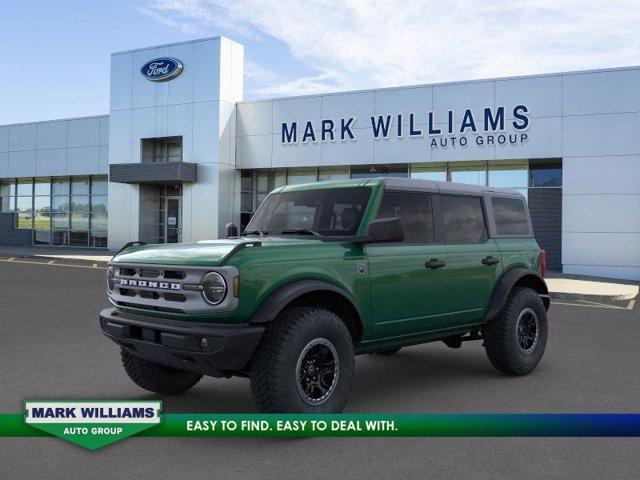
[[56, 54]]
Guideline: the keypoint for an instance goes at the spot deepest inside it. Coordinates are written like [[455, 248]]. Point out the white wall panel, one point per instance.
[[345, 105], [4, 138], [122, 71], [4, 164], [346, 152], [542, 95], [295, 155], [83, 160], [601, 135], [104, 160], [83, 132], [51, 162], [601, 249], [237, 72], [255, 118], [601, 92], [405, 101], [143, 125], [180, 89], [52, 134], [205, 141], [601, 213], [254, 151], [104, 130], [460, 96], [22, 163], [207, 80], [23, 137], [620, 174], [299, 110], [606, 271], [120, 122], [544, 140], [401, 150], [144, 91]]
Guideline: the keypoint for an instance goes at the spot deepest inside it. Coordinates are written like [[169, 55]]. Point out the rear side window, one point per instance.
[[510, 215], [415, 211], [463, 219]]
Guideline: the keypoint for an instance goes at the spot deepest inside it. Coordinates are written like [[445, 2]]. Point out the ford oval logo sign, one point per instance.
[[162, 69]]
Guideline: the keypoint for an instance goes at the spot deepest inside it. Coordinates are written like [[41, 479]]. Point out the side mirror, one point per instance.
[[231, 229], [386, 230]]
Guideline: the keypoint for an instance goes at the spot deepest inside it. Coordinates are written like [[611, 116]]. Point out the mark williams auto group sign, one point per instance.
[[489, 127]]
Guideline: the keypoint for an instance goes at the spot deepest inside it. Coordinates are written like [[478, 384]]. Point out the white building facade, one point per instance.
[[179, 157]]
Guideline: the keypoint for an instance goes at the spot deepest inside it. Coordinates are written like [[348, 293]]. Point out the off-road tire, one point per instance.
[[387, 351], [157, 378], [274, 373], [501, 339]]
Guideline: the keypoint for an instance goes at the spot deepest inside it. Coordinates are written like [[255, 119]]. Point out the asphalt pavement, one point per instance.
[[51, 348]]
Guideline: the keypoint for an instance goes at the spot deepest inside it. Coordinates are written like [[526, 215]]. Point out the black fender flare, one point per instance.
[[278, 300], [506, 284]]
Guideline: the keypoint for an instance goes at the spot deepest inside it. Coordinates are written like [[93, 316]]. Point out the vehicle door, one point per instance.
[[474, 260], [409, 279]]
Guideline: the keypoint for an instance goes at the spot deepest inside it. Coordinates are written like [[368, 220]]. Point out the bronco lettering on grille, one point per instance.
[[150, 284]]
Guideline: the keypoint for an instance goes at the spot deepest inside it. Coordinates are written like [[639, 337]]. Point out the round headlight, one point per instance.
[[111, 272], [214, 288]]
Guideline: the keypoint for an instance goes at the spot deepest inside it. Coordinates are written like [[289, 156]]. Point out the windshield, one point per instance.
[[324, 212]]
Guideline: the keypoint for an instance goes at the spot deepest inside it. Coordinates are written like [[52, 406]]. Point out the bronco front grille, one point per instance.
[[160, 288]]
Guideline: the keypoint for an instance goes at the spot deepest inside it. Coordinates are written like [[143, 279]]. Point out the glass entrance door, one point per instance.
[[173, 220]]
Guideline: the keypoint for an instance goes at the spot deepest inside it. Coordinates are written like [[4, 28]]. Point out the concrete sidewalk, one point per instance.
[[594, 290], [561, 286]]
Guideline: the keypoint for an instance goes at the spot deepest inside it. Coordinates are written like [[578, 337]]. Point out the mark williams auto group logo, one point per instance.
[[92, 424], [485, 128]]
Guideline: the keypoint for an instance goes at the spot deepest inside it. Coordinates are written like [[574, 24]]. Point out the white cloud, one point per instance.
[[355, 44]]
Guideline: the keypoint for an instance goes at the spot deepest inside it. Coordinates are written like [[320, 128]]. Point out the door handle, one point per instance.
[[434, 263], [490, 260]]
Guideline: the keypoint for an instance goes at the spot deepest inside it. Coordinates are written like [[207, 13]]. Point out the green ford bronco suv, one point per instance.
[[327, 271]]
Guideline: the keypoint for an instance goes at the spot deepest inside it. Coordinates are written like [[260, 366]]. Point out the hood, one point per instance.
[[205, 253]]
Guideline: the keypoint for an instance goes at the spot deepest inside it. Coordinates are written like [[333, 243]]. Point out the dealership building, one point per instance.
[[180, 154]]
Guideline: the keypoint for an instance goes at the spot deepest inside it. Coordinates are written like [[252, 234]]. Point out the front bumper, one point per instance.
[[211, 349]]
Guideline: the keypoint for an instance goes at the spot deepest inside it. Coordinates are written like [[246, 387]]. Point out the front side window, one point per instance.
[[463, 219], [327, 212], [415, 211], [510, 215]]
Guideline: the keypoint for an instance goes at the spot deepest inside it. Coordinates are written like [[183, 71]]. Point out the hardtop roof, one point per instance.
[[410, 184]]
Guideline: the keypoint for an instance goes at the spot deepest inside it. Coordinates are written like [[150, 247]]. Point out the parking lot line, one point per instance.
[[587, 303], [50, 264]]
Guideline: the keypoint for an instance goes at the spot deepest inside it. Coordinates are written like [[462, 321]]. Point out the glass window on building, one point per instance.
[[42, 212], [267, 181], [473, 173], [161, 150], [99, 186], [80, 186], [545, 175], [25, 187], [301, 175], [24, 207], [42, 186], [60, 211], [60, 186], [333, 173], [7, 195], [429, 171], [509, 175]]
